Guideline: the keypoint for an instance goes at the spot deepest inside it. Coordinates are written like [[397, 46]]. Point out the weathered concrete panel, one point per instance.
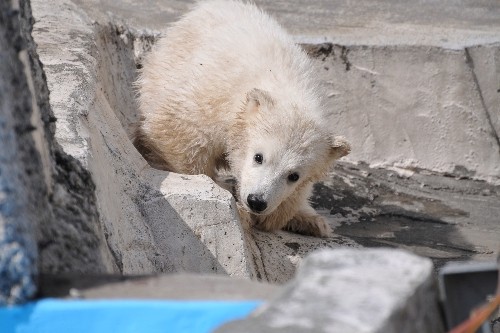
[[484, 61], [412, 107]]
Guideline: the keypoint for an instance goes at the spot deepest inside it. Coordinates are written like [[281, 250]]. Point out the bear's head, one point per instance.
[[277, 148]]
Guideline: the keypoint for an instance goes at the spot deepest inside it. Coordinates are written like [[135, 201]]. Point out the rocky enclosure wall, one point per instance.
[[22, 187]]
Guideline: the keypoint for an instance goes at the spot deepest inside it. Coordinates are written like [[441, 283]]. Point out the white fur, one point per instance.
[[226, 82]]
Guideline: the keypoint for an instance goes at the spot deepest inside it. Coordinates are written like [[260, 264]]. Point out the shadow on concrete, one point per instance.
[[144, 232], [69, 240]]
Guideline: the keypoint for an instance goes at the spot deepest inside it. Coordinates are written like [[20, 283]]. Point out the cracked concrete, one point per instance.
[[488, 113], [485, 69]]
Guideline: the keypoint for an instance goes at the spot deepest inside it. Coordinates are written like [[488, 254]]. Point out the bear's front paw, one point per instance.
[[310, 225], [321, 228]]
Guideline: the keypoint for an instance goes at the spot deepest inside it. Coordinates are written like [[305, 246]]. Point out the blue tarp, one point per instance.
[[110, 316]]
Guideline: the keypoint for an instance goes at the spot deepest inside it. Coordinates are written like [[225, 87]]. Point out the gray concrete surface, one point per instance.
[[416, 107], [443, 218], [352, 291]]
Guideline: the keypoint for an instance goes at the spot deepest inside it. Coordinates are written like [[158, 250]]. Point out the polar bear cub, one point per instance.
[[227, 88]]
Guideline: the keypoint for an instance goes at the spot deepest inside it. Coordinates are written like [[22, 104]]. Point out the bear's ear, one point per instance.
[[256, 98], [339, 147]]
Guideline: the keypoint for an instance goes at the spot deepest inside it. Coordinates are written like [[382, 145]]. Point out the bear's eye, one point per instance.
[[258, 158], [293, 177]]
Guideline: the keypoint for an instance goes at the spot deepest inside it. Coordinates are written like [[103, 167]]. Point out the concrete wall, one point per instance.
[[416, 107]]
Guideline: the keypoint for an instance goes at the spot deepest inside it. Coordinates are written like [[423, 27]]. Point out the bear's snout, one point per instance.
[[256, 203]]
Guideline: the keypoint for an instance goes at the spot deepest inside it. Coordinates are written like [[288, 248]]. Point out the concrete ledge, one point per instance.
[[180, 286], [450, 25], [381, 291]]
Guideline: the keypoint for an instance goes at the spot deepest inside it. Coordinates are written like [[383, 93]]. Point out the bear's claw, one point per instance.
[[310, 225]]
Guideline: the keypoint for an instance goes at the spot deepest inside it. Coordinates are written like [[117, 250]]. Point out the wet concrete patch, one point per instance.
[[430, 215]]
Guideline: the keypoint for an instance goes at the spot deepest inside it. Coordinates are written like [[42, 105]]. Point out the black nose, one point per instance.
[[256, 203]]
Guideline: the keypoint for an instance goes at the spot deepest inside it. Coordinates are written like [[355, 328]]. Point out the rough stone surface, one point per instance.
[[277, 255], [442, 218], [22, 187], [352, 291], [71, 240]]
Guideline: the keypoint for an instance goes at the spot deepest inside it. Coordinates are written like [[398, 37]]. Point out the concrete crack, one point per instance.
[[343, 55], [256, 254], [470, 63]]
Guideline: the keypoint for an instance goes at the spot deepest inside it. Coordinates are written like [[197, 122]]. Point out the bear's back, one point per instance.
[[205, 64], [226, 48]]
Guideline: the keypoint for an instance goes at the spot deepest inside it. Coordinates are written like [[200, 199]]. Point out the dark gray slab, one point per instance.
[[436, 216]]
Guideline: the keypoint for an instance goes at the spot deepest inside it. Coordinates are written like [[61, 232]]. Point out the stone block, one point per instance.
[[352, 290]]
